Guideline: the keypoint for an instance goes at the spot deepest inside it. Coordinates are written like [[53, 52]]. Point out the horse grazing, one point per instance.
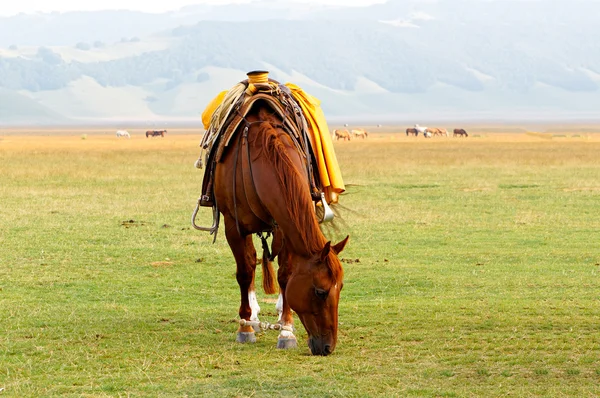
[[341, 135], [261, 184], [360, 133], [420, 129], [460, 133], [156, 133], [412, 131], [435, 131], [123, 133]]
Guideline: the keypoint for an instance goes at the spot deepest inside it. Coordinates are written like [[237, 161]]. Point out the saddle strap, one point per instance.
[[252, 197]]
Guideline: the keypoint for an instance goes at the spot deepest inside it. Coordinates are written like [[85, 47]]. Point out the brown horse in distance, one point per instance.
[[341, 135], [460, 133], [436, 131], [156, 133], [412, 131], [261, 184]]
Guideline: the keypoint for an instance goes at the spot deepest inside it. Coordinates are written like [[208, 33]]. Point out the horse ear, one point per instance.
[[340, 246], [325, 251]]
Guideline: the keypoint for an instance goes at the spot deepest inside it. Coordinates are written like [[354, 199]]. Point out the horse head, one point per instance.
[[313, 292]]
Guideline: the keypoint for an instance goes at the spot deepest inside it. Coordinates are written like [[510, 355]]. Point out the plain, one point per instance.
[[472, 270]]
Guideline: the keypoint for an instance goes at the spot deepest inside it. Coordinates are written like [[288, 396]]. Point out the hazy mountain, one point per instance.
[[403, 59], [19, 109], [64, 29]]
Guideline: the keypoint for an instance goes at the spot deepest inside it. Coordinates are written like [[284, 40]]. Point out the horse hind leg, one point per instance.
[[245, 259]]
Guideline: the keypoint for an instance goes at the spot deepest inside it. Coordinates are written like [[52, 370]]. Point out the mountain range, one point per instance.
[[409, 60]]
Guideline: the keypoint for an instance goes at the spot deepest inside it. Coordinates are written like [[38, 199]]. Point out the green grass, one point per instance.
[[478, 275]]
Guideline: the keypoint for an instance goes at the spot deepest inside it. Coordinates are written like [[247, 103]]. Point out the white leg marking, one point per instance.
[[284, 334], [279, 306], [253, 305]]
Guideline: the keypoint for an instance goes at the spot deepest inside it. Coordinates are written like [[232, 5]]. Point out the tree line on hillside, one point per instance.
[[397, 59]]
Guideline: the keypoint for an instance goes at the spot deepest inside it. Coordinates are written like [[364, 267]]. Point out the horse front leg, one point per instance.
[[245, 259], [286, 337]]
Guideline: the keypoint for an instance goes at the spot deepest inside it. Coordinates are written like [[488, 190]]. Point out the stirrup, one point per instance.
[[327, 212], [216, 217]]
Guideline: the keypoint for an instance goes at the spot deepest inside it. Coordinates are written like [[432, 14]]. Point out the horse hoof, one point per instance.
[[287, 343], [246, 337]]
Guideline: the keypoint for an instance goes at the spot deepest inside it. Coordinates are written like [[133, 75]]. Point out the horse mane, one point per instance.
[[295, 191]]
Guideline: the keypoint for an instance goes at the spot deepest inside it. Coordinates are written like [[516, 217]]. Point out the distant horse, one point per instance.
[[460, 133], [123, 133], [261, 184], [427, 134], [420, 129], [435, 131], [360, 133], [156, 133], [412, 131], [341, 135]]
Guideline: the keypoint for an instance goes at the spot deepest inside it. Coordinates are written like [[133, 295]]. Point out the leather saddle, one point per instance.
[[281, 101]]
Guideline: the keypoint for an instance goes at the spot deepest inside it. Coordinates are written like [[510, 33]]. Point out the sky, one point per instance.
[[11, 7]]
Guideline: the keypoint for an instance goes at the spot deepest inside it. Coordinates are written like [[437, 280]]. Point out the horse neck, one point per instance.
[[298, 221]]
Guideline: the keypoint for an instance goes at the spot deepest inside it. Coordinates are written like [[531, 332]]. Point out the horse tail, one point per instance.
[[268, 280]]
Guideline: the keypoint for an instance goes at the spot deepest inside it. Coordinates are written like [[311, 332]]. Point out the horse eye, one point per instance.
[[321, 293]]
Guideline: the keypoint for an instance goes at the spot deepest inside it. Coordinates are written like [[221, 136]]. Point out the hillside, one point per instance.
[[20, 109]]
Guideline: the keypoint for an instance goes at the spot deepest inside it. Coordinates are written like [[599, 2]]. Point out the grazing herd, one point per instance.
[[347, 135], [149, 133], [429, 132], [342, 134]]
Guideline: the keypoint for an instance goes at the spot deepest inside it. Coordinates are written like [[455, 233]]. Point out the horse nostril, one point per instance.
[[319, 347]]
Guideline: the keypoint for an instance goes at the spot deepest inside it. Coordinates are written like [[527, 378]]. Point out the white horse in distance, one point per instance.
[[420, 129], [123, 133]]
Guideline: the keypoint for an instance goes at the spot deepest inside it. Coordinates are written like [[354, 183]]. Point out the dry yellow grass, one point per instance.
[[94, 139]]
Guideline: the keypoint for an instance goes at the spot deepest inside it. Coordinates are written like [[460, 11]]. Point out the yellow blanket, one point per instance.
[[329, 170], [211, 107]]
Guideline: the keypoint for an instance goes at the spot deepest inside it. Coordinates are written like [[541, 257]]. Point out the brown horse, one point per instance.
[[156, 133], [412, 131], [435, 131], [341, 135], [261, 184], [460, 133]]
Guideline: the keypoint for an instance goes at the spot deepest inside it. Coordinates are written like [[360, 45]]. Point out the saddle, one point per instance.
[[232, 112]]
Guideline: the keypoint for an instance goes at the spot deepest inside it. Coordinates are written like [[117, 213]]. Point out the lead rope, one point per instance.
[[266, 325]]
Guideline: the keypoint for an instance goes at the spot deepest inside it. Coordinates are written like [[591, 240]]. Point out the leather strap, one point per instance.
[[252, 197]]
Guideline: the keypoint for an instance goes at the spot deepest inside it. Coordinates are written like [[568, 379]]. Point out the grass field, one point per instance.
[[473, 270]]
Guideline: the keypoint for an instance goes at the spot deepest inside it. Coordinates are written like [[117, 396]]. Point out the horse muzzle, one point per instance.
[[321, 346]]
